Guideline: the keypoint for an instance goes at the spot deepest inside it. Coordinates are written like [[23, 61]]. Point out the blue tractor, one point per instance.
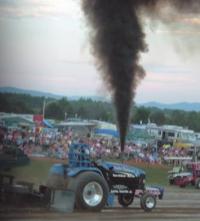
[[93, 182]]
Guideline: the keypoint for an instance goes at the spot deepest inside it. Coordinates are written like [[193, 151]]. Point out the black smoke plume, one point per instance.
[[117, 38]]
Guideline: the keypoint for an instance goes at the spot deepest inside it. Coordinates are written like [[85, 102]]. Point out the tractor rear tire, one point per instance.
[[91, 191], [125, 200], [197, 183], [148, 202]]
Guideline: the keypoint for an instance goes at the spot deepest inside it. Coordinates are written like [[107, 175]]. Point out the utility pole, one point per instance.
[[44, 105], [65, 116]]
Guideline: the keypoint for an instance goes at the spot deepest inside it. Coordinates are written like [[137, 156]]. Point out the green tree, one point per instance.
[[178, 117], [54, 111], [140, 114], [157, 117], [193, 120]]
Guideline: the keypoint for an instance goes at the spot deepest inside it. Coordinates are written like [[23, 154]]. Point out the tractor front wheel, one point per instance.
[[125, 200], [148, 202]]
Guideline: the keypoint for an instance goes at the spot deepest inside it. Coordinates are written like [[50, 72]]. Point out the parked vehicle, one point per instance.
[[93, 181], [185, 175]]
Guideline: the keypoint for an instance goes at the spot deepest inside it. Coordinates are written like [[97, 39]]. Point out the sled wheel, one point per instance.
[[91, 191], [141, 204], [148, 202], [125, 200]]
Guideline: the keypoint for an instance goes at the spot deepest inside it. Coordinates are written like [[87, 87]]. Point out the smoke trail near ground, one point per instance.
[[117, 38]]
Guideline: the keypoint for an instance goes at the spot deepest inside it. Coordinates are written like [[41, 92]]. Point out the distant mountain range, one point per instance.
[[187, 106], [30, 92], [43, 94]]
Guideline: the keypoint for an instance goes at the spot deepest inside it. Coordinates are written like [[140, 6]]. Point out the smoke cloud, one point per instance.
[[118, 39]]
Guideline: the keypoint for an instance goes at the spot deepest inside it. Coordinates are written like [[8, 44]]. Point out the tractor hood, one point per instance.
[[123, 168]]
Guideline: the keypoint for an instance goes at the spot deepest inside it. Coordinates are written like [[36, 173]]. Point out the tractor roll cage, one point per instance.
[[79, 156]]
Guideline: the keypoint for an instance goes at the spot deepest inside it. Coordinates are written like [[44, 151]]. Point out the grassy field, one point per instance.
[[156, 175], [37, 172]]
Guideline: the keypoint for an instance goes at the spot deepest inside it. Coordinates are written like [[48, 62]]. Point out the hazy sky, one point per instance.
[[44, 46]]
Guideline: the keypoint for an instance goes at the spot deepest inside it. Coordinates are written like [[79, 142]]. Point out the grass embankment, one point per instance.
[[155, 174], [38, 169]]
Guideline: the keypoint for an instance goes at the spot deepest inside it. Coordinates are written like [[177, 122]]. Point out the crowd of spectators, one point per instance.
[[55, 144]]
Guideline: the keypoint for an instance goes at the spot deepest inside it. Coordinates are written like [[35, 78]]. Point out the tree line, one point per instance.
[[91, 109]]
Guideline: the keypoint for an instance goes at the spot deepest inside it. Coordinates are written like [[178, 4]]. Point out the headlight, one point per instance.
[[142, 180]]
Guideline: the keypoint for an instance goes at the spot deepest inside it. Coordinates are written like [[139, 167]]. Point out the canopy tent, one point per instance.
[[105, 129], [16, 121], [47, 124], [76, 124], [107, 132], [78, 127]]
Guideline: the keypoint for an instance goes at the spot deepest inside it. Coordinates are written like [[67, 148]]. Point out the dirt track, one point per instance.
[[178, 204]]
